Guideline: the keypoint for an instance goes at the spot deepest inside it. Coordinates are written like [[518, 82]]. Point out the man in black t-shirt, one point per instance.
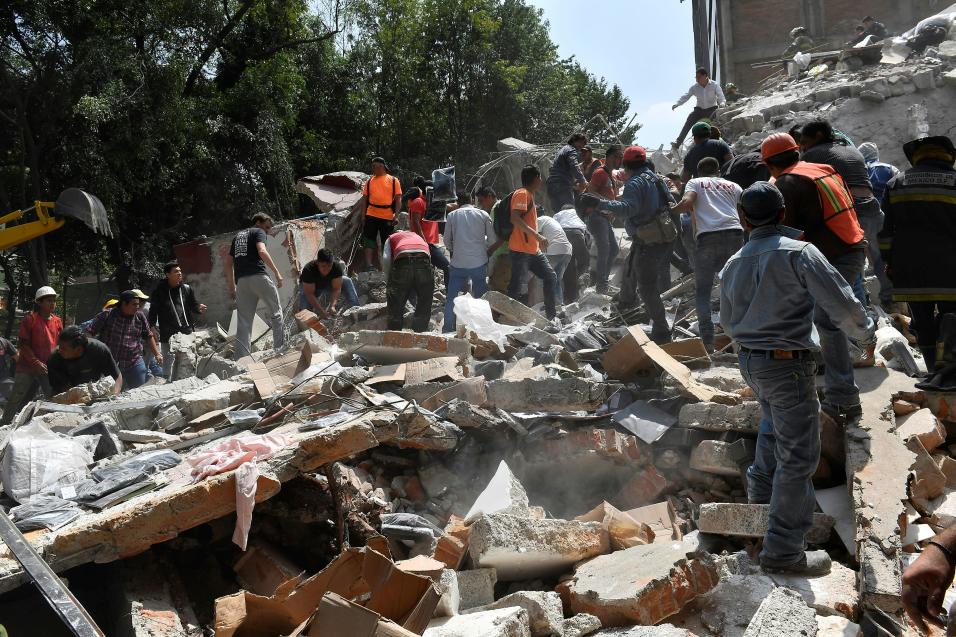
[[79, 359], [322, 282], [704, 146], [249, 283]]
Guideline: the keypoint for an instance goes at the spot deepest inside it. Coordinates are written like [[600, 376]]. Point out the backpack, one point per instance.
[[501, 218]]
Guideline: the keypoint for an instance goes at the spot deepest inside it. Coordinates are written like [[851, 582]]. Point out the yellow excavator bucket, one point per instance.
[[77, 204]]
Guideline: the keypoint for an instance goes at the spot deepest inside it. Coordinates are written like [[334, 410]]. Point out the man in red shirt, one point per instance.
[[427, 230], [603, 185], [408, 272], [39, 331]]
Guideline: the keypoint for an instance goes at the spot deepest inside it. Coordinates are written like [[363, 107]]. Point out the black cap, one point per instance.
[[762, 203], [380, 160], [940, 141]]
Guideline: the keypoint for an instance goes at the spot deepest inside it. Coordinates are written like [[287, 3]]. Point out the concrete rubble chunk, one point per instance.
[[751, 520], [581, 625], [523, 548], [476, 587], [515, 312], [924, 80], [832, 594], [642, 489], [641, 585], [468, 416], [547, 394], [450, 601], [545, 613], [664, 630], [783, 613], [504, 622], [837, 627], [722, 378], [950, 78], [930, 480], [714, 456], [389, 348], [924, 425], [728, 609], [504, 494], [716, 417]]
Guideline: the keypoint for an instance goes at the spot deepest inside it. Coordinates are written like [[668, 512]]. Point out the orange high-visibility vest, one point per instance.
[[839, 215]]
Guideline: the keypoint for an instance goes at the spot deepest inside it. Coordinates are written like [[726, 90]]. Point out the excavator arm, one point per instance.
[[13, 236], [51, 216]]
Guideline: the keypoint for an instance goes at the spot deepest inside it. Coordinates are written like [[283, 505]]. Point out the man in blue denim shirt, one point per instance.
[[768, 293]]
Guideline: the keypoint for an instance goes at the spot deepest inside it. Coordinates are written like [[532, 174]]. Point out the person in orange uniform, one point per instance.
[[381, 200], [526, 242]]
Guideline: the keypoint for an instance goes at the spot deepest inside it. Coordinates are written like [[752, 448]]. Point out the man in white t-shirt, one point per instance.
[[712, 204], [558, 251]]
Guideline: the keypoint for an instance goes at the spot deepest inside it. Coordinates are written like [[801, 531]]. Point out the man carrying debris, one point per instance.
[[36, 338], [381, 202], [712, 204], [408, 272], [709, 97], [603, 185], [921, 232], [469, 235], [171, 306], [323, 283], [565, 176], [123, 329], [645, 208], [769, 291], [525, 242], [248, 283], [704, 146], [819, 143], [79, 359], [819, 203]]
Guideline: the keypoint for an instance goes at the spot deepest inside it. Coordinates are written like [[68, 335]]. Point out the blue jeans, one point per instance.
[[872, 224], [607, 249], [134, 376], [521, 263], [687, 237], [348, 293], [713, 251], [642, 273], [456, 283], [559, 263], [839, 384], [788, 451]]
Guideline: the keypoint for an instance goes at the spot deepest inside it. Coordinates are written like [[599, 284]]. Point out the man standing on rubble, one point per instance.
[[819, 203], [704, 146], [565, 176], [819, 143], [525, 242], [599, 224], [123, 329], [37, 339], [171, 306], [380, 204], [408, 272], [248, 283], [469, 236], [712, 204], [709, 97], [645, 207], [920, 233], [769, 291]]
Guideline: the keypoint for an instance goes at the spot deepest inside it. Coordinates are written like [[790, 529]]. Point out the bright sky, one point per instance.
[[644, 46]]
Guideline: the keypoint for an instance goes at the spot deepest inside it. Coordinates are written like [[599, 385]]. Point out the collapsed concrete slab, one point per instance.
[[548, 394], [728, 608], [715, 417], [504, 622], [389, 348], [832, 594], [515, 312], [751, 520], [783, 613], [640, 585], [524, 548], [581, 625]]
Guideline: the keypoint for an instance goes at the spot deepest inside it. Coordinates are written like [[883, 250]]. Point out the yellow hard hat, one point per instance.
[[110, 304]]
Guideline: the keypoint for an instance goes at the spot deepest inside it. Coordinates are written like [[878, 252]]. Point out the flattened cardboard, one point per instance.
[[433, 369], [662, 518], [338, 616], [263, 568], [388, 374]]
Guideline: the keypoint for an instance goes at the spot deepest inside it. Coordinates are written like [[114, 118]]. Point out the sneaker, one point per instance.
[[812, 564], [842, 413]]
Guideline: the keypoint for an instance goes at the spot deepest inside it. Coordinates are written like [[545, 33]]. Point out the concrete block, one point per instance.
[[930, 480], [783, 613], [505, 622], [468, 416], [664, 630], [149, 601], [515, 312], [504, 494], [714, 456], [729, 607], [832, 594], [523, 548], [747, 123], [639, 585], [744, 417], [581, 625], [925, 426], [548, 394], [950, 78], [837, 627], [389, 348], [723, 378], [144, 436], [924, 80], [476, 587], [545, 613], [450, 601], [825, 95], [640, 490], [216, 396], [873, 97], [751, 520]]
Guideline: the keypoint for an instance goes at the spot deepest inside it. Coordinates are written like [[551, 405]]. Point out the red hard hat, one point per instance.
[[776, 144], [635, 153]]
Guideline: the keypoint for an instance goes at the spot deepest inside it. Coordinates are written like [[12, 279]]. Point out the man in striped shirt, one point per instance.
[[123, 329]]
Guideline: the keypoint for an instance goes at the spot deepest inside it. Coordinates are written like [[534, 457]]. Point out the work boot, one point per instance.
[[812, 564], [842, 413]]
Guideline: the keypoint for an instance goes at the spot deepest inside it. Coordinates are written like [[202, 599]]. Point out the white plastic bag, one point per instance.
[[475, 315], [36, 459], [803, 60]]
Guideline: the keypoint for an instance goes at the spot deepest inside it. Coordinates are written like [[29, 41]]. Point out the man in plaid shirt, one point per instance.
[[123, 329]]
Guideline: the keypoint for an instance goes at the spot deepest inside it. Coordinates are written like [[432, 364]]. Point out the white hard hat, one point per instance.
[[46, 290]]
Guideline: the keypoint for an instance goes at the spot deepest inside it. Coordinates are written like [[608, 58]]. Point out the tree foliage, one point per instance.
[[186, 117]]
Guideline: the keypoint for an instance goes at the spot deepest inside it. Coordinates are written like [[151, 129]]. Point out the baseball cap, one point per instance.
[[762, 203], [700, 129], [46, 290], [110, 304], [635, 153], [139, 294], [126, 296]]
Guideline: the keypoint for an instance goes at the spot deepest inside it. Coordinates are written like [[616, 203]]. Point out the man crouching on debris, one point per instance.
[[409, 273], [768, 292]]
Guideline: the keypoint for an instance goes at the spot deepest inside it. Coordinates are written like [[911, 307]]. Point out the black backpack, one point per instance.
[[501, 218]]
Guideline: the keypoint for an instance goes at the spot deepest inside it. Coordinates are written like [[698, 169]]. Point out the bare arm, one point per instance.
[[118, 384], [397, 205], [230, 276], [154, 348], [309, 290], [686, 204], [335, 293], [267, 259], [685, 175], [518, 222]]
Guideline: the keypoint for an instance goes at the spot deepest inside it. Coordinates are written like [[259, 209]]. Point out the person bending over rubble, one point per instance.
[[408, 271], [322, 283], [768, 293], [79, 359]]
